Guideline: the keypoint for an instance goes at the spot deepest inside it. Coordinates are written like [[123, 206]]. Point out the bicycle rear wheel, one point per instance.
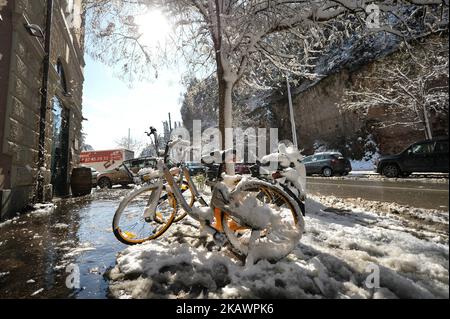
[[130, 225], [280, 224]]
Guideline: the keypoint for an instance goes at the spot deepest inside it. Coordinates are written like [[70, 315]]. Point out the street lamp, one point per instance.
[[34, 30]]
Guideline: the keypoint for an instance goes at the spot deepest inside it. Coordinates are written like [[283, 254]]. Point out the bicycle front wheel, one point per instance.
[[273, 239], [190, 199], [130, 225]]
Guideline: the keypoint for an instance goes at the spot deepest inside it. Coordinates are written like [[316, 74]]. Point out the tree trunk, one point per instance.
[[228, 108], [217, 38], [228, 123], [222, 88], [225, 89], [225, 113]]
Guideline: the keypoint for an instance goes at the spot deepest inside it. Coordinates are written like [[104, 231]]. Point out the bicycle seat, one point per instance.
[[148, 174], [218, 157], [175, 171]]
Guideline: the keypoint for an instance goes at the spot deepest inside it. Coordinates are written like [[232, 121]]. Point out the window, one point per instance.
[[335, 156], [319, 157], [150, 163], [142, 163], [422, 148], [137, 164], [442, 147], [62, 76]]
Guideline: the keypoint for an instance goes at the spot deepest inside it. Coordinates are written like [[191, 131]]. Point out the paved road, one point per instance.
[[411, 193]]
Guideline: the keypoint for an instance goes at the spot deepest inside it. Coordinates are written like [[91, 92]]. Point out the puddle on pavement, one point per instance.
[[35, 249]]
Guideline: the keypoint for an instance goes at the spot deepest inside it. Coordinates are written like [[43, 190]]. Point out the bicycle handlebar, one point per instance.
[[169, 145]]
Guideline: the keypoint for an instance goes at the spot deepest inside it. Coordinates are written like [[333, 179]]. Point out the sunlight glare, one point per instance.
[[154, 27]]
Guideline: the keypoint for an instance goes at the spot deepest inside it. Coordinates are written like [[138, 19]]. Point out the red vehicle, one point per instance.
[[105, 160]]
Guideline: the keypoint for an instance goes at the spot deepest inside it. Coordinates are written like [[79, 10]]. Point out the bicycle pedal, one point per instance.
[[220, 239]]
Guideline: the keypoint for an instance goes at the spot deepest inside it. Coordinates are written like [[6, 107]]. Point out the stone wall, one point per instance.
[[5, 57], [21, 113], [320, 120], [316, 115]]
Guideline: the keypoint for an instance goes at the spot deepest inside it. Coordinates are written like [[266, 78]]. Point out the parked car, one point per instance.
[[327, 164], [195, 168], [119, 175], [429, 156], [95, 174], [212, 171]]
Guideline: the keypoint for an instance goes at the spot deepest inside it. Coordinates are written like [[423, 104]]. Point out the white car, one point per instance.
[[94, 177]]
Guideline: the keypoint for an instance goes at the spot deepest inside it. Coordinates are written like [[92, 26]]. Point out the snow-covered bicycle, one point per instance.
[[258, 219], [289, 172]]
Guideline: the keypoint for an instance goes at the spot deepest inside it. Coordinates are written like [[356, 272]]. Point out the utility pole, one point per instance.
[[170, 123], [129, 139], [428, 132], [291, 110]]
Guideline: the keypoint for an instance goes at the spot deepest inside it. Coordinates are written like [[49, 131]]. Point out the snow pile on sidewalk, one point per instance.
[[423, 178], [363, 165], [343, 243], [372, 154], [43, 209], [37, 210]]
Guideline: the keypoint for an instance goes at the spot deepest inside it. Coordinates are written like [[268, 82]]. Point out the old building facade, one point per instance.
[[39, 133]]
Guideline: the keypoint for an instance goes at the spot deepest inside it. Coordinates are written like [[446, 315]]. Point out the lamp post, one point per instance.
[[426, 119], [291, 110]]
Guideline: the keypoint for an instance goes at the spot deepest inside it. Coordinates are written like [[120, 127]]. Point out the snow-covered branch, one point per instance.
[[253, 42], [412, 91]]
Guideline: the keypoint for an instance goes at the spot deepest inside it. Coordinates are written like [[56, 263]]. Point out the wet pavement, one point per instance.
[[37, 248], [413, 193]]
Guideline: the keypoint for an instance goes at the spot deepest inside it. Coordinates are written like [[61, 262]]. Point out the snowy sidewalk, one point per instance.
[[343, 241], [437, 178]]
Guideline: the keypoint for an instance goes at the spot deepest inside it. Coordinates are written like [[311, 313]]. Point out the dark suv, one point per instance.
[[195, 168], [425, 156], [327, 164]]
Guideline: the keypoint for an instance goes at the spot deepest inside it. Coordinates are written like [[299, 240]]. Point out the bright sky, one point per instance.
[[111, 107]]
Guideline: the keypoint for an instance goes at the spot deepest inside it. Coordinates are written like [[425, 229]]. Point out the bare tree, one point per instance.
[[409, 92], [149, 150], [129, 143], [200, 102]]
